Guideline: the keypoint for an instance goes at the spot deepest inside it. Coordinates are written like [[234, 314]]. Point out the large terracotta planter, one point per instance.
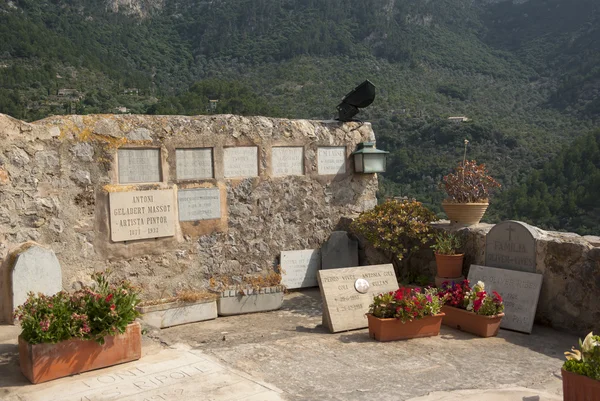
[[465, 213], [482, 326], [394, 329], [579, 388], [449, 266], [44, 362]]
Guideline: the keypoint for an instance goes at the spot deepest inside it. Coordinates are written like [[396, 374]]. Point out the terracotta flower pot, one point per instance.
[[449, 266], [482, 326], [579, 388], [44, 362], [394, 329], [465, 213]]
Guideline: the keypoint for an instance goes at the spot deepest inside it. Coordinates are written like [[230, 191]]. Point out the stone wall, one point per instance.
[[57, 176]]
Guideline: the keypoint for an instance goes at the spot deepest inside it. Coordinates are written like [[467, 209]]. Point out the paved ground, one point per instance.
[[288, 355]]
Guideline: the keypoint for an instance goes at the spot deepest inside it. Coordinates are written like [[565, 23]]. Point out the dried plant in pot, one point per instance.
[[581, 371], [448, 261], [187, 306]]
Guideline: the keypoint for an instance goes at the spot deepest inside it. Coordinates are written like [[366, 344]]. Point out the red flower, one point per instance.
[[497, 297], [113, 306], [108, 298]]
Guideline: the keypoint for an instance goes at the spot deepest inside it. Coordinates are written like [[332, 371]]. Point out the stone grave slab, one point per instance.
[[142, 214], [344, 307], [339, 251], [520, 291], [240, 162], [199, 204], [331, 160], [287, 160], [511, 245], [194, 164], [299, 268], [139, 165]]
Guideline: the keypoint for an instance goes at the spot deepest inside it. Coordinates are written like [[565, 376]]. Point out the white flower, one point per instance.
[[589, 343], [481, 285], [466, 141]]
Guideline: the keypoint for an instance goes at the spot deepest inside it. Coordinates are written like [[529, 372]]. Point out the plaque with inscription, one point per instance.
[[511, 245], [288, 160], [194, 164], [331, 160], [142, 214], [299, 268], [344, 307], [240, 162], [199, 204], [520, 291], [139, 165]]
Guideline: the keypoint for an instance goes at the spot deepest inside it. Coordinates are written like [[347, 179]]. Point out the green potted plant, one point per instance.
[[447, 259], [187, 306], [65, 334], [581, 371], [405, 313], [472, 309]]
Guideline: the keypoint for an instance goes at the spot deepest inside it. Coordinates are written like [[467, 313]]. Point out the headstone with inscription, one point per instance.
[[199, 204], [347, 294], [520, 291], [142, 214], [511, 245], [339, 251], [240, 162], [139, 165], [331, 160], [194, 164], [287, 160], [299, 268]]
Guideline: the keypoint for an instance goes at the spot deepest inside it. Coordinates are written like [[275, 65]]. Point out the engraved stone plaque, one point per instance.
[[288, 161], [241, 162], [331, 160], [520, 291], [511, 245], [194, 164], [344, 307], [142, 214], [299, 268], [139, 165], [199, 204]]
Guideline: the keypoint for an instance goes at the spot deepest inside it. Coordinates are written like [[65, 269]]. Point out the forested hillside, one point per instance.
[[527, 75]]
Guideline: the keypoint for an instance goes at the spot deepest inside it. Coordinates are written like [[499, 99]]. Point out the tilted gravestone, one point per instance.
[[339, 251], [299, 268], [511, 245], [347, 294]]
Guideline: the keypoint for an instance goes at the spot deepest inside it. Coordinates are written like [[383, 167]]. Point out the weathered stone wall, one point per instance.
[[56, 176]]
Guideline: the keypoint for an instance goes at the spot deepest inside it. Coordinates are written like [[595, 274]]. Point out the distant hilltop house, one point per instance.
[[121, 109], [131, 91], [68, 92], [212, 104], [458, 120]]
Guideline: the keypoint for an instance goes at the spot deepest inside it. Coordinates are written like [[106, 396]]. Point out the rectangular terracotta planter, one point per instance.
[[176, 313], [482, 326], [394, 329], [579, 388], [43, 362], [234, 302]]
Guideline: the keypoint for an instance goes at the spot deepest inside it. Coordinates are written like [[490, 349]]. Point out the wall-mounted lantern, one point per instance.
[[368, 159]]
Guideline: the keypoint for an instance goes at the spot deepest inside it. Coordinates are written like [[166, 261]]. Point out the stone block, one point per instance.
[[176, 313], [339, 251], [241, 303]]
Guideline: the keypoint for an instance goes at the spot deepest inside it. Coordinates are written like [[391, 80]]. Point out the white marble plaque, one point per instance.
[[344, 308], [199, 204], [520, 291], [139, 165], [194, 164], [331, 160], [241, 162], [299, 268], [142, 214], [288, 161], [511, 245]]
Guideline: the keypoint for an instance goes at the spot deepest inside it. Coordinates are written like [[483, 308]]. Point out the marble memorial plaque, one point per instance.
[[520, 291], [199, 204], [331, 160], [344, 307], [511, 245], [139, 165], [287, 160], [241, 162], [299, 268], [142, 214], [194, 164]]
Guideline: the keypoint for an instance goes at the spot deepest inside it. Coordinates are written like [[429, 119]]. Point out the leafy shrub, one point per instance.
[[469, 183], [407, 304], [476, 299], [586, 361], [446, 243]]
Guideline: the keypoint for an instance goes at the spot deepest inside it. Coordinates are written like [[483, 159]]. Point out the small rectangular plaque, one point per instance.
[[139, 165], [199, 204], [520, 291], [299, 268], [331, 160], [194, 164], [142, 214], [241, 162], [288, 160]]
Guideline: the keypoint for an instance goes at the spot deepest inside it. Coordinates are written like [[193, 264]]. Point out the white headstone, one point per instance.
[[511, 245], [520, 291], [288, 160], [139, 165], [199, 204], [240, 162], [331, 160], [194, 164], [299, 268]]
